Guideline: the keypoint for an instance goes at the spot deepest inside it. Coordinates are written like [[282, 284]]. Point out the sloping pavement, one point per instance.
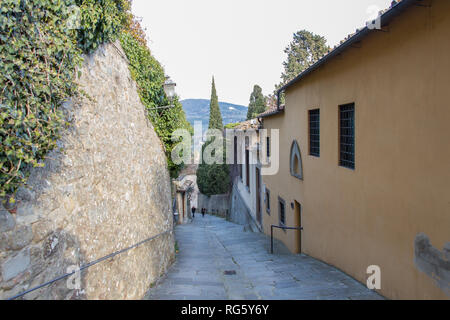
[[217, 260]]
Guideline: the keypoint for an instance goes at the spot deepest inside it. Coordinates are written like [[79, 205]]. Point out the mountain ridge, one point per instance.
[[198, 110]]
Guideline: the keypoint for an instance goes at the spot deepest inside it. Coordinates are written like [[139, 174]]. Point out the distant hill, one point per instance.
[[198, 110]]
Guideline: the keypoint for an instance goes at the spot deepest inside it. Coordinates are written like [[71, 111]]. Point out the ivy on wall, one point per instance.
[[39, 53], [101, 21], [41, 47], [149, 76]]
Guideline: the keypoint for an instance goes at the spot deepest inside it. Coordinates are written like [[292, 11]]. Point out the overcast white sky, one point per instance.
[[240, 42]]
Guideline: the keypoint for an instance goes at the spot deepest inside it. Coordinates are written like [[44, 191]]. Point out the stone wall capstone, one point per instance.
[[108, 189]]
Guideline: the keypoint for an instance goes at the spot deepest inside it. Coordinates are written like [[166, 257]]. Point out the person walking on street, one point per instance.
[[193, 211], [203, 212]]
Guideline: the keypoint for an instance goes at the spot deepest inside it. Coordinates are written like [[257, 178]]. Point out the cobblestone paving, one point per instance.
[[210, 246]]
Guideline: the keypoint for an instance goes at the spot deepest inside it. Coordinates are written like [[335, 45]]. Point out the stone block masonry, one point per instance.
[[218, 205], [108, 189]]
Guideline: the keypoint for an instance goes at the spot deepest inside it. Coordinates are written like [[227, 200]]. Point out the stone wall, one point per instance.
[[107, 190], [218, 205]]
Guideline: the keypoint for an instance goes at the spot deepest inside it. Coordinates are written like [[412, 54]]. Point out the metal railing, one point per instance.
[[109, 256], [280, 227]]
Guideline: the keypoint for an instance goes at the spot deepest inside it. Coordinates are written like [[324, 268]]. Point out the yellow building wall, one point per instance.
[[400, 83]]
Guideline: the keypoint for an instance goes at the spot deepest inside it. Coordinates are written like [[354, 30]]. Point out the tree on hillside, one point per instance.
[[304, 50], [257, 103], [213, 178], [215, 117]]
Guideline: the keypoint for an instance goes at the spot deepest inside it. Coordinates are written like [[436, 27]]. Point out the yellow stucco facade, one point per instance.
[[399, 81]]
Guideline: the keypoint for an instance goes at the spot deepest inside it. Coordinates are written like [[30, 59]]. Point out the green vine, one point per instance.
[[149, 76], [39, 54]]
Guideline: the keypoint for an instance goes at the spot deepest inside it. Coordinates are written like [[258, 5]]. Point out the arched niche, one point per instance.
[[296, 161]]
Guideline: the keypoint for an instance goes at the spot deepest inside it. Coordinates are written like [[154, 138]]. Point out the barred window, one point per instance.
[[314, 132], [235, 151], [347, 136], [268, 201], [282, 211], [268, 146], [247, 162], [247, 168]]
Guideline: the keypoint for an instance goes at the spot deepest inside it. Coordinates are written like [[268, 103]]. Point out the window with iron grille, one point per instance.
[[268, 201], [314, 132], [268, 146], [235, 151], [282, 211], [347, 136], [247, 168]]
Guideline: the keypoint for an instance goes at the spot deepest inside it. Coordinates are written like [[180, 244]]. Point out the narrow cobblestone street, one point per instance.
[[210, 246]]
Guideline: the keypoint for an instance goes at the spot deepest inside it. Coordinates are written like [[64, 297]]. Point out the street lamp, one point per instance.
[[169, 90]]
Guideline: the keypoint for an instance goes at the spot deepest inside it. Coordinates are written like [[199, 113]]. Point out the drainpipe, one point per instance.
[[279, 93], [259, 123], [278, 99]]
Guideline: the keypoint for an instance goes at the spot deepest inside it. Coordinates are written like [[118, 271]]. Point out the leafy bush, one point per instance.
[[213, 179], [39, 54], [232, 125]]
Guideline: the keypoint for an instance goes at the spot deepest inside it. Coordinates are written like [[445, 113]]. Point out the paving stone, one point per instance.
[[287, 284], [210, 246]]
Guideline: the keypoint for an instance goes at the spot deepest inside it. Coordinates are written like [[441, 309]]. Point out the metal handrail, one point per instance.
[[112, 255], [280, 227]]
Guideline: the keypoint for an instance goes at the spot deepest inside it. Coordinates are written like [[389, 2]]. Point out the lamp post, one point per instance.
[[169, 90]]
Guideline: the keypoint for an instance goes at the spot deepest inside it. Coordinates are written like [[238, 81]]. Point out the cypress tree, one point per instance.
[[257, 103], [215, 117], [213, 178]]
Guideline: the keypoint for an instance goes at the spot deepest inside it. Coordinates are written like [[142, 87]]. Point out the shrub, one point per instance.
[[213, 178]]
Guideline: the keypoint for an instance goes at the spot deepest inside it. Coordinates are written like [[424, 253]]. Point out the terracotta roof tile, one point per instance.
[[249, 124], [271, 111]]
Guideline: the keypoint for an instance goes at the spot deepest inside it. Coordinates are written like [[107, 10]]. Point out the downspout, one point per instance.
[[278, 99]]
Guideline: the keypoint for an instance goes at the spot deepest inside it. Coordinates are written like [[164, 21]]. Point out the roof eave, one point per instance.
[[270, 114], [385, 19]]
